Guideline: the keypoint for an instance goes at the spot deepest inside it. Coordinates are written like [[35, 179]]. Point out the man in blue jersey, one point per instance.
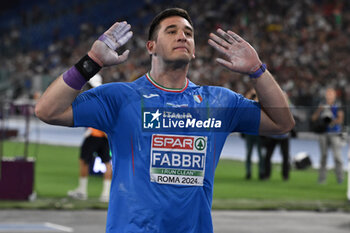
[[166, 132]]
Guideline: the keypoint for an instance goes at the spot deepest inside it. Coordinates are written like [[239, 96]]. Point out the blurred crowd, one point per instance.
[[305, 44]]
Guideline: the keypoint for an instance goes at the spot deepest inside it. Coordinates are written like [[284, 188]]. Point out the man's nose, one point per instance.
[[181, 36]]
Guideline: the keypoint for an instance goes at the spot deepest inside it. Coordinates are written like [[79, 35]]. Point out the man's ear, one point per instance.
[[193, 55], [150, 45]]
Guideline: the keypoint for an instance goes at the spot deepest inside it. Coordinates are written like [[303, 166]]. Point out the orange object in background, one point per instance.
[[97, 133]]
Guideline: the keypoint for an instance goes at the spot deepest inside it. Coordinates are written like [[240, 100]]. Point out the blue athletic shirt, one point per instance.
[[163, 179], [337, 127]]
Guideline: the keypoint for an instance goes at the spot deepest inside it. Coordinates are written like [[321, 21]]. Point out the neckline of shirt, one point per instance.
[[163, 88]]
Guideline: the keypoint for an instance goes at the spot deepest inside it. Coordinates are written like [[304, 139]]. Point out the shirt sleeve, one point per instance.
[[95, 108], [244, 115]]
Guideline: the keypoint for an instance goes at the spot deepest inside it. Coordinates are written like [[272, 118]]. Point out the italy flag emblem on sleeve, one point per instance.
[[198, 98]]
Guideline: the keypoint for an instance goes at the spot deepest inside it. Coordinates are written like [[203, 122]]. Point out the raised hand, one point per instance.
[[103, 51], [240, 56]]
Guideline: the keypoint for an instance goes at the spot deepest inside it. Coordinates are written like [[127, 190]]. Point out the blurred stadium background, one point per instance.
[[305, 45]]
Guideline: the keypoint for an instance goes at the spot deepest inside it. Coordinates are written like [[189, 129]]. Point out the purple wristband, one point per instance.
[[259, 72], [74, 79]]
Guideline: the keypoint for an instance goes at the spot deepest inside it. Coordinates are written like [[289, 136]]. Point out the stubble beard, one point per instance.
[[178, 62]]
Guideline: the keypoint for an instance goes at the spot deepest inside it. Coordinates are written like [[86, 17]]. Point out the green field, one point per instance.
[[56, 171]]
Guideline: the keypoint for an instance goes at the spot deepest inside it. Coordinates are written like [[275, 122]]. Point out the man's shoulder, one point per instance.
[[217, 90], [127, 86]]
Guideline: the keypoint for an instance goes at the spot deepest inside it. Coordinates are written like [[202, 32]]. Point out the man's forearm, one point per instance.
[[340, 118], [273, 101], [316, 114], [54, 106]]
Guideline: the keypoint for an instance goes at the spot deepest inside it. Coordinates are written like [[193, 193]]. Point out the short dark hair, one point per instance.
[[154, 27]]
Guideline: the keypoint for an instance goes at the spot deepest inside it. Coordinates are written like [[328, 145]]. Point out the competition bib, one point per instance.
[[178, 159]]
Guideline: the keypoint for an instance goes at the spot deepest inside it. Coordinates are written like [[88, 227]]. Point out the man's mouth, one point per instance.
[[181, 48]]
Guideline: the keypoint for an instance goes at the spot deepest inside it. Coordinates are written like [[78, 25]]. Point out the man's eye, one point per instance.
[[171, 32], [189, 34]]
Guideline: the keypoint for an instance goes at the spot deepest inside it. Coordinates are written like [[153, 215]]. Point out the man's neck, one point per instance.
[[170, 76]]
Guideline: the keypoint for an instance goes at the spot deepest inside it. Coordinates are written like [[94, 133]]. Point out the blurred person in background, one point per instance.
[[331, 116], [270, 142], [144, 197], [250, 142], [95, 142]]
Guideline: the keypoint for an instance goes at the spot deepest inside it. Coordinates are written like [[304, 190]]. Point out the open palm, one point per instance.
[[240, 56], [103, 51]]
